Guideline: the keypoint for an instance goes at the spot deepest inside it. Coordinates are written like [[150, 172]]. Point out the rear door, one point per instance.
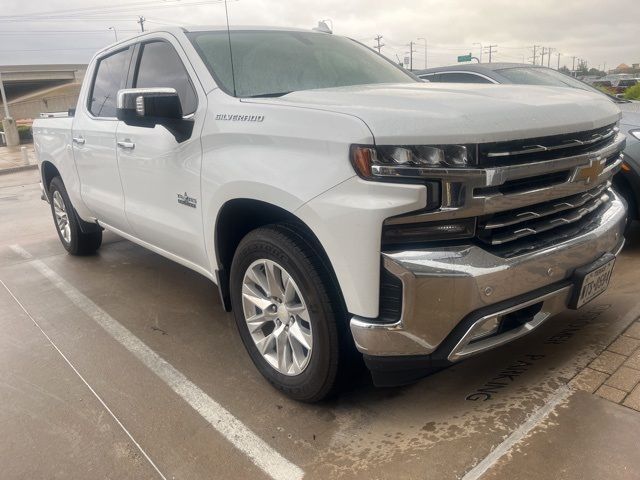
[[161, 175], [94, 140]]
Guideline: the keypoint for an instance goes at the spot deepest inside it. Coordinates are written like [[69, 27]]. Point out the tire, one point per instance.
[[66, 221], [280, 246]]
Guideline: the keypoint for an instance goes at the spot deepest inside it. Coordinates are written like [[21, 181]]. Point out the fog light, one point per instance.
[[403, 233]]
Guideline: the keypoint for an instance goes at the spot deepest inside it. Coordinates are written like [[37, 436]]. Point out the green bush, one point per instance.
[[24, 132], [633, 93]]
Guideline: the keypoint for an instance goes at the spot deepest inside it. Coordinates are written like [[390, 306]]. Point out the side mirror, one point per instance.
[[148, 107]]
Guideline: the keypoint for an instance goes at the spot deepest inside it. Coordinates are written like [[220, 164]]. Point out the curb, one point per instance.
[[21, 168]]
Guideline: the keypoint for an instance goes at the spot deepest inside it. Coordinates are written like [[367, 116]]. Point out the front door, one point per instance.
[[160, 174]]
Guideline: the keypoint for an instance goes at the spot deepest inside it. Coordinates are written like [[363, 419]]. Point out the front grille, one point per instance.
[[544, 148], [507, 233]]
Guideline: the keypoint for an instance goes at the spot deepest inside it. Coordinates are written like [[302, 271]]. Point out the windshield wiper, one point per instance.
[[266, 95]]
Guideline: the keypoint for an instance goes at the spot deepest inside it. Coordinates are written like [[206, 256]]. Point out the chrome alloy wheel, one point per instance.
[[61, 217], [277, 317]]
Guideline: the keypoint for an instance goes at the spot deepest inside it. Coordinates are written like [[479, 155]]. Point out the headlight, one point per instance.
[[409, 161]]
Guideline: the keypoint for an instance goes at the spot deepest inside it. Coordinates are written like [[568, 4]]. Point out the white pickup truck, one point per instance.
[[339, 203]]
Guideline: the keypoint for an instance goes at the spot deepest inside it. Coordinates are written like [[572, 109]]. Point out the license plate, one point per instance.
[[592, 280]]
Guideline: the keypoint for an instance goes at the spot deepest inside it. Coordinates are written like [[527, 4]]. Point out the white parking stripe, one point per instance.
[[117, 420], [260, 453], [520, 433]]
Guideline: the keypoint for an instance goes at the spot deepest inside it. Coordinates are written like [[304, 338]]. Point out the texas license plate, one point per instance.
[[592, 280]]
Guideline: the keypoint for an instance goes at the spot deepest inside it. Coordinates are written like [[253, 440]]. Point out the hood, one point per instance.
[[435, 113], [630, 120]]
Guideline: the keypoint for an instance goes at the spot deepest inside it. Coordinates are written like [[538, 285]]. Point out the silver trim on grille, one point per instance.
[[545, 225], [507, 219], [567, 144]]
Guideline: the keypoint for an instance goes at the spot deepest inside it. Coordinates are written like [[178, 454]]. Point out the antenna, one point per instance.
[[233, 75]]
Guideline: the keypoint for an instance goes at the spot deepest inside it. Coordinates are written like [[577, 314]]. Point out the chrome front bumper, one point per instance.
[[443, 286]]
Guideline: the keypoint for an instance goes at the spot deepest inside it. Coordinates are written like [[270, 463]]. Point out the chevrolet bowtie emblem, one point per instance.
[[591, 172]]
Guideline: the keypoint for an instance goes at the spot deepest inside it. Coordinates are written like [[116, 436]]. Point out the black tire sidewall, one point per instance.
[[272, 244]]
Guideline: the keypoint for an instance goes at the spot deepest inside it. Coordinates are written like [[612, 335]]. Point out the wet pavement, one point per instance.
[[14, 158], [84, 392]]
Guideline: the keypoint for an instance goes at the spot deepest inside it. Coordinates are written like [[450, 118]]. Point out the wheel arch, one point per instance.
[[237, 218], [48, 171]]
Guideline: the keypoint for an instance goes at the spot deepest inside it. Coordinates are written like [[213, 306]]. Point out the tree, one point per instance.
[[596, 72], [582, 68]]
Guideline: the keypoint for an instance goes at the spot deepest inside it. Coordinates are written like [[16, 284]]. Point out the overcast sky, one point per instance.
[[598, 31]]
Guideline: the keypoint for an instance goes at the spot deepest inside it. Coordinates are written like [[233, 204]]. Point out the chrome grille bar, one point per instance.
[[547, 222], [568, 143], [575, 201]]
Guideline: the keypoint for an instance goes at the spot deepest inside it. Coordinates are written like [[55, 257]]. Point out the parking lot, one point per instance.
[[124, 365]]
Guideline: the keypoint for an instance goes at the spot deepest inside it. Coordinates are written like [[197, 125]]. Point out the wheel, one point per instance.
[[282, 303], [73, 239]]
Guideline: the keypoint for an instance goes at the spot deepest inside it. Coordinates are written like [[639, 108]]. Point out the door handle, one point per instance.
[[78, 140], [127, 144]]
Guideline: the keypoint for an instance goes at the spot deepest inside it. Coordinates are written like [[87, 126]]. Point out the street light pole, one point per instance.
[[478, 43], [11, 136], [4, 98], [115, 34], [425, 52]]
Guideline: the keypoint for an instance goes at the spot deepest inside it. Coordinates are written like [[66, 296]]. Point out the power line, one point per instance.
[[103, 13], [62, 32]]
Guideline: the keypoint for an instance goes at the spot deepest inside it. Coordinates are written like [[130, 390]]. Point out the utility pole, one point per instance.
[[604, 68], [549, 50], [141, 21], [411, 52], [573, 66], [379, 46], [535, 54], [492, 51], [558, 54], [425, 52]]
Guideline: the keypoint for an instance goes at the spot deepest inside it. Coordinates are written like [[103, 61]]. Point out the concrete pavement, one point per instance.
[[441, 427], [12, 159]]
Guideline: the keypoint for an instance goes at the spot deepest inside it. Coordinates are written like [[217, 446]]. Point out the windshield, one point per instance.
[[547, 76], [273, 63]]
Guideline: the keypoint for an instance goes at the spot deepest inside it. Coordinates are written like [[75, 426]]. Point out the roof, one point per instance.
[[177, 31], [209, 28]]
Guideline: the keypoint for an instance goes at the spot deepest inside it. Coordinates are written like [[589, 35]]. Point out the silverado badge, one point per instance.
[[187, 200]]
